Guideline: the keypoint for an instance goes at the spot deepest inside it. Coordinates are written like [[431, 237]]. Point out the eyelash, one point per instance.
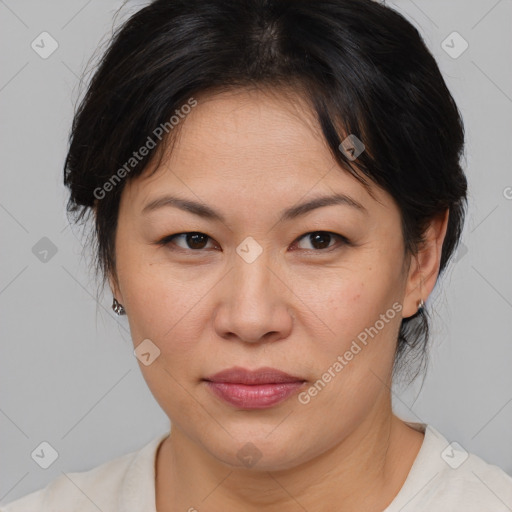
[[167, 241]]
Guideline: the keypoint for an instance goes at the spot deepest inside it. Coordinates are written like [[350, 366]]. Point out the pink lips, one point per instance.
[[256, 389]]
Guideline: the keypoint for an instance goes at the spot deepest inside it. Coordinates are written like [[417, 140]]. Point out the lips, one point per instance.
[[265, 375], [256, 389]]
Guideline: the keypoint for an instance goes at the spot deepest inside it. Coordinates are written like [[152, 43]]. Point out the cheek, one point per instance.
[[153, 291], [165, 314], [166, 311], [363, 317], [353, 364]]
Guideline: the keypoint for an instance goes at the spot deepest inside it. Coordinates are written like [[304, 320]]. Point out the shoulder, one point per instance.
[[475, 485], [102, 488], [94, 489], [447, 478]]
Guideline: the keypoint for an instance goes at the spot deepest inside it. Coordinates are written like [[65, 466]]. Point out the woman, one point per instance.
[[276, 189]]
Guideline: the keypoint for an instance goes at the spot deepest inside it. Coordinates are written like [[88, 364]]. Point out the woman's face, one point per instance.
[[256, 292]]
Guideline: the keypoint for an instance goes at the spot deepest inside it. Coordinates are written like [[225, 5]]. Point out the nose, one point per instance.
[[253, 303]]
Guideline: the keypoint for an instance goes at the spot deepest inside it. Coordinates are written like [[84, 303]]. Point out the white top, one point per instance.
[[443, 478]]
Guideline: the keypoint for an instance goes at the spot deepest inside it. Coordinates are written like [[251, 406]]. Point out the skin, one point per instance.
[[250, 154]]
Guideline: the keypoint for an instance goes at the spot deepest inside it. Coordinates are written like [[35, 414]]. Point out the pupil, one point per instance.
[[320, 240], [194, 240]]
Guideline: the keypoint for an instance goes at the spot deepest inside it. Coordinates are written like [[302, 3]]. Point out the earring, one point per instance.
[[421, 304], [118, 308]]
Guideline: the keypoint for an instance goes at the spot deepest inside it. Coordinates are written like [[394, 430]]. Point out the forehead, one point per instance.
[[263, 146], [251, 133]]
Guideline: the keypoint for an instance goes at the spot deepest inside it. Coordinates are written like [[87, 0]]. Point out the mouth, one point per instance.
[[265, 375], [253, 389]]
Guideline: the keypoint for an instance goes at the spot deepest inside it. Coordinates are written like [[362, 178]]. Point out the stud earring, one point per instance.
[[421, 304], [118, 308]]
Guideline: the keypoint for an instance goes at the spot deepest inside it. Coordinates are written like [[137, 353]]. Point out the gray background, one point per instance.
[[68, 375]]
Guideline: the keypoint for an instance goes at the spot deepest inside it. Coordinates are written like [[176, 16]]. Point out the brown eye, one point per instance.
[[194, 240], [322, 240]]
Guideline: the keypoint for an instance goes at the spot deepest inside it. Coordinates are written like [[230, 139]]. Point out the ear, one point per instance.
[[424, 266], [112, 280], [114, 287]]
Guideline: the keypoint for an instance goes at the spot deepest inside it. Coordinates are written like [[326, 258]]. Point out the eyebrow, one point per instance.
[[207, 212]]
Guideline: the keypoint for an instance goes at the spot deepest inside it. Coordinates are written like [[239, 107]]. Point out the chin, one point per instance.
[[262, 452]]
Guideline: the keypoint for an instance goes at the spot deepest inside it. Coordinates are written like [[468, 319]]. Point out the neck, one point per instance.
[[365, 470]]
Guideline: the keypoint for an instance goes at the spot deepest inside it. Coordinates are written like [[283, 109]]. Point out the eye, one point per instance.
[[197, 241], [321, 240], [192, 241]]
